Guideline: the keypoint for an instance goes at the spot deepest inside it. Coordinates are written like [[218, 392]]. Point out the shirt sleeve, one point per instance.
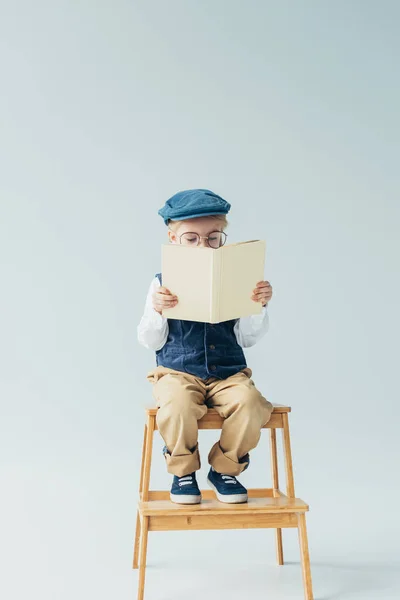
[[249, 330], [152, 331]]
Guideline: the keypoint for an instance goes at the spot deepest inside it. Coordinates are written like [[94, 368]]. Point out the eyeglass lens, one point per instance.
[[216, 239]]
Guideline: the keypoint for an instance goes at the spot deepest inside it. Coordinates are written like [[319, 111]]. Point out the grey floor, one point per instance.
[[240, 564]]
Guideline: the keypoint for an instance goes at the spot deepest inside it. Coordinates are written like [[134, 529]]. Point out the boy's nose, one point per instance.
[[203, 243]]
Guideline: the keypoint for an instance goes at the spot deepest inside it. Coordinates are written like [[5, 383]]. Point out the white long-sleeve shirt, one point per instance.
[[153, 328]]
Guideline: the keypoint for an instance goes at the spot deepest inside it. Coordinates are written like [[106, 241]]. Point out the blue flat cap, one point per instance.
[[190, 204]]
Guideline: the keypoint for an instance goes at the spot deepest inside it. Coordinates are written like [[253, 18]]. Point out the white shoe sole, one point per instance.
[[231, 499], [185, 499]]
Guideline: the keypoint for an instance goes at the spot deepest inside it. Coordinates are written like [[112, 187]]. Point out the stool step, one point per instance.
[[262, 511], [260, 501]]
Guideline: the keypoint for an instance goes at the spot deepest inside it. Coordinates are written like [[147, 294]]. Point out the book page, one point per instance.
[[187, 272], [242, 268]]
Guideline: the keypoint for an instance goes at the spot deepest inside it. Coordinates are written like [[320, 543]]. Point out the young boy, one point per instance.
[[202, 365]]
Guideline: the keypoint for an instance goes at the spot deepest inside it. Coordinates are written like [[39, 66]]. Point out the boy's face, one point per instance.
[[204, 232]]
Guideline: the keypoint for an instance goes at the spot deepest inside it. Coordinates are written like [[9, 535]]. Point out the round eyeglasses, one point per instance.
[[215, 239]]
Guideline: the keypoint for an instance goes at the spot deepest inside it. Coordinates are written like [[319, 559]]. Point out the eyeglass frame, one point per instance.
[[201, 237]]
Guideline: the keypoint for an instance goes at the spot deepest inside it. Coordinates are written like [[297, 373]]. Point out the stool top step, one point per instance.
[[213, 506], [278, 409]]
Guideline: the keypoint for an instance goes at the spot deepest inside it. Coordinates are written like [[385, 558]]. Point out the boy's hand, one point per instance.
[[262, 293], [163, 299]]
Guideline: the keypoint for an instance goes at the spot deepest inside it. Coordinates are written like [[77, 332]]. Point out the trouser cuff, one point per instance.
[[223, 464], [183, 464]]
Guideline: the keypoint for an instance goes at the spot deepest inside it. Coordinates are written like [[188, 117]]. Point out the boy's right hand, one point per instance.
[[163, 299]]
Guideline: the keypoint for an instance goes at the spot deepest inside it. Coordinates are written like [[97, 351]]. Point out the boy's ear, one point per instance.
[[171, 235]]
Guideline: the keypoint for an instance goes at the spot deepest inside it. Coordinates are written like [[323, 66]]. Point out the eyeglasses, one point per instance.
[[215, 239]]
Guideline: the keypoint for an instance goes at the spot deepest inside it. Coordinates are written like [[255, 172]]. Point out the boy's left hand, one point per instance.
[[262, 292]]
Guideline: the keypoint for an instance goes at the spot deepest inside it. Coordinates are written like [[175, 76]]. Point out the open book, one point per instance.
[[213, 285]]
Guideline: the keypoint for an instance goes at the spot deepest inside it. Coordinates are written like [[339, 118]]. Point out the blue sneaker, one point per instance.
[[227, 488], [185, 490]]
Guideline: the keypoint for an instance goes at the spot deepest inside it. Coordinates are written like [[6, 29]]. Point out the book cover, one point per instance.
[[213, 285]]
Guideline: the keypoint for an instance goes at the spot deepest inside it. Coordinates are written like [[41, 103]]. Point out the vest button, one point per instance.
[[213, 367], [212, 347]]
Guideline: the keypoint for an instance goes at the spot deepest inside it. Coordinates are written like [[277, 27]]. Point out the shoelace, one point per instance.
[[187, 480], [229, 479]]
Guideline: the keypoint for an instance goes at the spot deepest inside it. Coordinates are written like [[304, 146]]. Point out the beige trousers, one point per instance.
[[182, 400]]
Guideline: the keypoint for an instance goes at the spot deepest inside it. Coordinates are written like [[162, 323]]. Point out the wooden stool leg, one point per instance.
[[275, 483], [148, 456], [138, 525], [142, 556], [288, 457], [305, 557], [145, 484], [137, 541]]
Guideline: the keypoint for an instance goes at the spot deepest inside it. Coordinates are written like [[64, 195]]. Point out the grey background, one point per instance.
[[290, 111]]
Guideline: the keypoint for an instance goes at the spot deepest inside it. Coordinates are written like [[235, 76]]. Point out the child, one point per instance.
[[202, 365]]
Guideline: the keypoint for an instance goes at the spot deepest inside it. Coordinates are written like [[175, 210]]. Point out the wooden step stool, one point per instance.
[[266, 508]]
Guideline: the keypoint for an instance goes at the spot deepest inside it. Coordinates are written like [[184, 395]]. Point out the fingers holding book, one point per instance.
[[163, 299], [262, 292]]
